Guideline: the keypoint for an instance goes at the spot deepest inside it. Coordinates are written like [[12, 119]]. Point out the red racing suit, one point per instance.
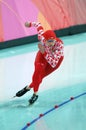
[[48, 62]]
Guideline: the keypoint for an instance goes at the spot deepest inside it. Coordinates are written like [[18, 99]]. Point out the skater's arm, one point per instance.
[[41, 48], [39, 27]]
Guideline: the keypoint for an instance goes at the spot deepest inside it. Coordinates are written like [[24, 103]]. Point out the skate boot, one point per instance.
[[33, 99], [22, 92]]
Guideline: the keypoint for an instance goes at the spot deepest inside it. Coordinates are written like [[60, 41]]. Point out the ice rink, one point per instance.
[[16, 69]]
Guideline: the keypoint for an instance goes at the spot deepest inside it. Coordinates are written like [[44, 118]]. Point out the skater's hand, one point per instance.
[[41, 48], [27, 24]]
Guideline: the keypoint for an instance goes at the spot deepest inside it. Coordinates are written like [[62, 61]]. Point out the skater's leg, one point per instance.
[[37, 79], [40, 65]]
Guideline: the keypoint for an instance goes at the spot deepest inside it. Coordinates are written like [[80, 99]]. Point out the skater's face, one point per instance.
[[50, 42]]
